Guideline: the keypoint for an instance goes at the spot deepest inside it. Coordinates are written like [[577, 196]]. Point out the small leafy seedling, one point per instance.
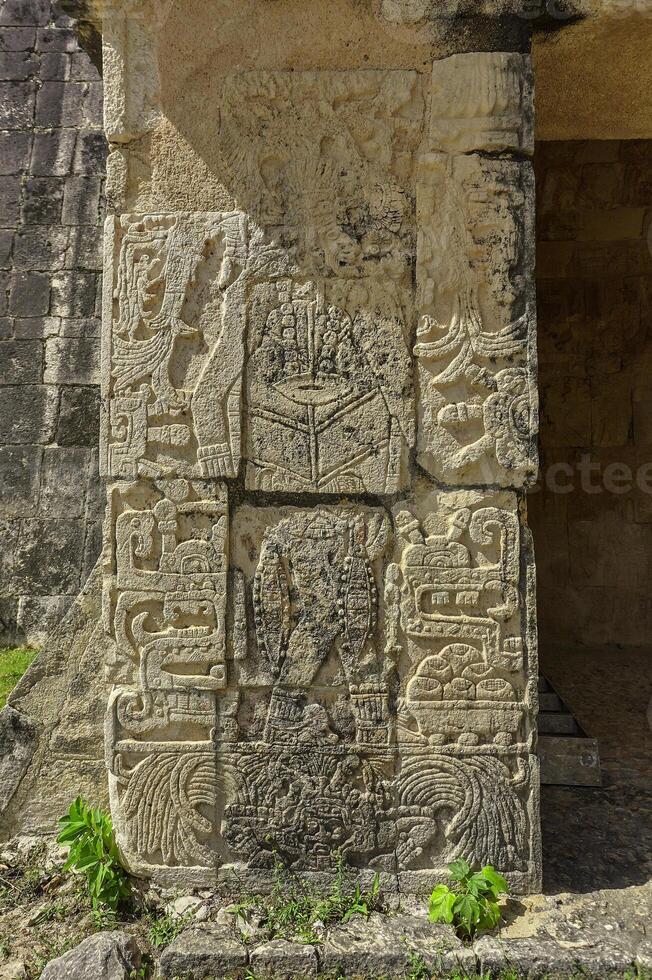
[[471, 903], [94, 854]]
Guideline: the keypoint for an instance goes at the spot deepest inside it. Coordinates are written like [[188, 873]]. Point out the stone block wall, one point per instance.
[[52, 159], [593, 537]]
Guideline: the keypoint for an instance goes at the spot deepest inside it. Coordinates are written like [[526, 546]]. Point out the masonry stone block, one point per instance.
[[18, 65], [29, 294], [52, 153], [36, 328], [79, 416], [82, 68], [42, 200], [38, 615], [63, 482], [60, 104], [41, 247], [90, 153], [19, 13], [81, 201], [17, 105], [17, 38], [55, 66], [9, 200], [73, 294], [56, 39], [20, 468], [71, 360], [22, 362], [14, 152], [49, 556], [80, 327], [85, 249], [27, 414], [6, 245]]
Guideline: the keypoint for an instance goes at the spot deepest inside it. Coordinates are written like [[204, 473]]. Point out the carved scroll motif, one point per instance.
[[476, 345], [165, 601]]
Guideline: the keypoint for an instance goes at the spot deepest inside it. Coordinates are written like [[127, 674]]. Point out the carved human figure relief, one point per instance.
[[173, 352], [313, 758]]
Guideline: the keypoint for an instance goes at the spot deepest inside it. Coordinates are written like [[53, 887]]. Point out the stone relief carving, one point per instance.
[[174, 345], [166, 559], [323, 161], [357, 673], [482, 101], [329, 400], [475, 348]]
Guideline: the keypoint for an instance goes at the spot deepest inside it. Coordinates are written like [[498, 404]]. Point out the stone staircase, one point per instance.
[[568, 756]]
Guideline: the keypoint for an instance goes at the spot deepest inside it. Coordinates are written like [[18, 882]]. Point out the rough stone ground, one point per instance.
[[594, 918]]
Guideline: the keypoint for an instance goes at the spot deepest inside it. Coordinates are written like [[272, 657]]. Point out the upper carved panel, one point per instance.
[[482, 101]]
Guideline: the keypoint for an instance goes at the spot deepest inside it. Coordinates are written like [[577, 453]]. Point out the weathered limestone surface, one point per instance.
[[51, 729], [319, 413]]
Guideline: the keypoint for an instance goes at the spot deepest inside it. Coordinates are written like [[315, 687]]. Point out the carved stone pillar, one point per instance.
[[319, 394]]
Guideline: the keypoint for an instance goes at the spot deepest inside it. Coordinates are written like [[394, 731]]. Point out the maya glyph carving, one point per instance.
[[331, 654], [166, 555]]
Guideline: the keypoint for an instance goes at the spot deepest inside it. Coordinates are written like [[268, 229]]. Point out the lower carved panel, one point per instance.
[[369, 690]]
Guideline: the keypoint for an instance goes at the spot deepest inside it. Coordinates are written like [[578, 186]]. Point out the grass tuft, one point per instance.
[[14, 661]]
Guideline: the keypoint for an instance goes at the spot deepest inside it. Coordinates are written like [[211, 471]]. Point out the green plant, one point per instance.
[[56, 910], [293, 910], [164, 929], [94, 854], [417, 969], [14, 661], [471, 903]]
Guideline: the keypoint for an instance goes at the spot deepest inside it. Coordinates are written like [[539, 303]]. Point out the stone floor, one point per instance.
[[601, 838]]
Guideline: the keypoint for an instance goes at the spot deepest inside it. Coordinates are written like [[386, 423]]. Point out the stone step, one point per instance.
[[549, 701], [568, 757], [569, 761], [557, 723]]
